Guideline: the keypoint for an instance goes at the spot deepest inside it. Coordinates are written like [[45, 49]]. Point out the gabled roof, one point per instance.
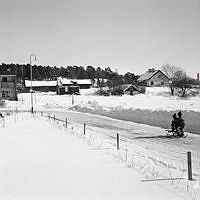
[[149, 74], [125, 87]]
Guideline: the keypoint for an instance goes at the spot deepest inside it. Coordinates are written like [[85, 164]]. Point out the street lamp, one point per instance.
[[31, 74]]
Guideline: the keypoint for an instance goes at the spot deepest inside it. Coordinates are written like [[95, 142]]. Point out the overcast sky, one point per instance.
[[127, 35]]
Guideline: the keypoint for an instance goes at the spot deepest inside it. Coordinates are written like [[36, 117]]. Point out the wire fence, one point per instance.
[[175, 159], [180, 168]]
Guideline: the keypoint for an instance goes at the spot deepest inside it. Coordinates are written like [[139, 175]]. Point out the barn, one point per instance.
[[82, 83], [62, 84]]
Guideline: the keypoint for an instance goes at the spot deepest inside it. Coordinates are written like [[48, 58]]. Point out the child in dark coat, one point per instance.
[[174, 124], [181, 123]]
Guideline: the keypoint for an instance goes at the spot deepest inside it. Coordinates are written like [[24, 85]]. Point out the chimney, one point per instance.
[[151, 70], [197, 76]]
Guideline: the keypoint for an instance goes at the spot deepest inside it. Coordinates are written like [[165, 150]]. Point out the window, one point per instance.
[[162, 82], [152, 82], [4, 79], [5, 94]]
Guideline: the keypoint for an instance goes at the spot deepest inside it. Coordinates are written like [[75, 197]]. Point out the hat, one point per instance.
[[174, 115], [179, 113]]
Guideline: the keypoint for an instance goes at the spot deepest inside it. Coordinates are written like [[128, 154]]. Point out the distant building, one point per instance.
[[72, 86], [72, 89], [8, 87], [46, 86], [129, 89], [82, 83], [154, 78]]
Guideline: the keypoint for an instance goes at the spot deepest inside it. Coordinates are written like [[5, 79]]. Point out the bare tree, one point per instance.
[[179, 83], [186, 86], [174, 74]]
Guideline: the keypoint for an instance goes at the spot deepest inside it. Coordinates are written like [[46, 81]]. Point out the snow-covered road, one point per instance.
[[151, 142]]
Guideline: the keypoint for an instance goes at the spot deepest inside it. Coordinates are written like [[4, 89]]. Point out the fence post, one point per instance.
[[189, 160], [41, 113], [66, 122], [126, 150], [117, 141], [84, 129], [54, 117], [49, 116], [72, 98], [4, 121]]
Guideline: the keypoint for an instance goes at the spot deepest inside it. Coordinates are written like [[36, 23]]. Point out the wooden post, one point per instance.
[[189, 159], [72, 98], [49, 116], [66, 122], [84, 129], [117, 141], [41, 113], [126, 150], [4, 121], [54, 117]]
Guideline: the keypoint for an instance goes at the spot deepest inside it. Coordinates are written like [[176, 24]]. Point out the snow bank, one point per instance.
[[40, 161]]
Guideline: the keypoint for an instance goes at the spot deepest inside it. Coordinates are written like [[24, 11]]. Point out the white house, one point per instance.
[[154, 78]]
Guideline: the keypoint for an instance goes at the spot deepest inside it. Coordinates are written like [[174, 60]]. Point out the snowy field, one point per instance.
[[154, 99], [41, 159], [34, 154], [155, 107]]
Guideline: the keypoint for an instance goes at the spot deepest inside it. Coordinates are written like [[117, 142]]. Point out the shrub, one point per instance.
[[102, 92], [117, 92], [2, 103], [142, 90]]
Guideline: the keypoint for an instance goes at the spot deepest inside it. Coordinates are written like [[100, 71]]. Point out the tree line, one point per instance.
[[39, 72], [180, 84]]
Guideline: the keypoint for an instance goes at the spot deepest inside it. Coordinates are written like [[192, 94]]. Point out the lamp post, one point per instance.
[[31, 74]]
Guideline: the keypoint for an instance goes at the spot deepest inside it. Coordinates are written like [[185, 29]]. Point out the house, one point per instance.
[[8, 85], [130, 89], [153, 78], [72, 86], [67, 86], [125, 89], [82, 83], [72, 89], [63, 84]]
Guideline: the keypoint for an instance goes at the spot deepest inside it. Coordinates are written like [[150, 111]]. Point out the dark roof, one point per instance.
[[149, 74], [127, 86]]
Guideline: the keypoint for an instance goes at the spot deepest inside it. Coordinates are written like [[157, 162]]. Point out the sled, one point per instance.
[[175, 134]]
